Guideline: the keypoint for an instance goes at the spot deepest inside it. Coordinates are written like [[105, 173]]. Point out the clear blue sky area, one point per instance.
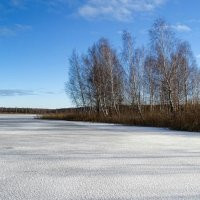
[[38, 36]]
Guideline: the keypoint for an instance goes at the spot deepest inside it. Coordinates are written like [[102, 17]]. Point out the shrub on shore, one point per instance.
[[188, 120]]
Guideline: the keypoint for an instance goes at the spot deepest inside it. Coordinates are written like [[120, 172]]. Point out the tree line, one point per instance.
[[162, 77]]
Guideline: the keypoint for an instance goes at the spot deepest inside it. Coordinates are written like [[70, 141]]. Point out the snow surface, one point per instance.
[[57, 160]]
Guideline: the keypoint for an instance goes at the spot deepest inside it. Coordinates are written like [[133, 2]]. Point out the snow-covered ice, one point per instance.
[[57, 160]]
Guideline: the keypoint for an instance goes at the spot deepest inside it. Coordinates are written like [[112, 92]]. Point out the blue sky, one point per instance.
[[38, 36]]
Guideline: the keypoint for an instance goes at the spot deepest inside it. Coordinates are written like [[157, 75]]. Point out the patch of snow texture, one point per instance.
[[56, 160]]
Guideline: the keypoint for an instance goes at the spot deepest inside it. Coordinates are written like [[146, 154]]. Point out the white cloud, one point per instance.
[[121, 10], [117, 9], [181, 28]]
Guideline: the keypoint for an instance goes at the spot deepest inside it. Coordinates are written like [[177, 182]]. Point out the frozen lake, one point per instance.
[[56, 160]]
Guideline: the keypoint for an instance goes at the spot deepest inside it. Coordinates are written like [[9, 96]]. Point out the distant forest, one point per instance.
[[35, 110], [156, 85], [24, 110]]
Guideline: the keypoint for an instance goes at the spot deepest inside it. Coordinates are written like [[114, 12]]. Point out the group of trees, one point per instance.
[[164, 76]]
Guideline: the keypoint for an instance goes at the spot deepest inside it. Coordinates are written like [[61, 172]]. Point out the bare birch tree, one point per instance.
[[75, 85], [132, 59], [163, 45]]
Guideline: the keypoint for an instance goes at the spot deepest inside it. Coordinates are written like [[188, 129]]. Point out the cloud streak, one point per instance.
[[17, 2], [120, 10], [198, 56], [7, 31], [49, 3], [15, 92], [21, 92], [181, 28]]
